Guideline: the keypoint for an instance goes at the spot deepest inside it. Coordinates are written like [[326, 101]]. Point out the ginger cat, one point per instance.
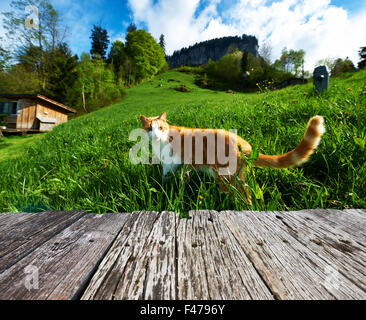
[[208, 149]]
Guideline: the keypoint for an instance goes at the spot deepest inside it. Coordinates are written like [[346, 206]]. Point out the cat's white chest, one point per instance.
[[164, 152]]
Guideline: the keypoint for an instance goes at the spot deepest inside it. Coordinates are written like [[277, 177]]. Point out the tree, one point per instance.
[[4, 58], [328, 62], [96, 85], [228, 68], [33, 22], [244, 61], [131, 28], [63, 75], [37, 30], [297, 60], [17, 79], [148, 56], [85, 70], [30, 58], [362, 63], [290, 61], [162, 42], [341, 66], [100, 42], [129, 69], [283, 62], [265, 51], [117, 57]]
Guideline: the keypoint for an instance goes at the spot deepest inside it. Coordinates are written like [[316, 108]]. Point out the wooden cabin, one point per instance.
[[32, 113]]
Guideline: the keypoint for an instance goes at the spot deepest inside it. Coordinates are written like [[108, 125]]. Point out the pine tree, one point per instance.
[[244, 61], [62, 70], [162, 42], [100, 42], [117, 57], [4, 57], [362, 63], [131, 28]]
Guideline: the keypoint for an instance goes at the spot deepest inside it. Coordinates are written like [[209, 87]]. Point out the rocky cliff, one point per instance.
[[214, 49]]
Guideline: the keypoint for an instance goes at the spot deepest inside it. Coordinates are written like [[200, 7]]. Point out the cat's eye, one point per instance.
[[160, 128]]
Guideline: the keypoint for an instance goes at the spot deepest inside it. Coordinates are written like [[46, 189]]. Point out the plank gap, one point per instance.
[[79, 293]]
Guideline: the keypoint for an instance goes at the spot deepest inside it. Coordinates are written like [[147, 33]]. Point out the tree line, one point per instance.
[[38, 59], [244, 71], [213, 49]]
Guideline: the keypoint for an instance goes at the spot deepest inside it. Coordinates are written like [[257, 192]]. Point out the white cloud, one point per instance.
[[321, 29], [78, 23], [177, 21]]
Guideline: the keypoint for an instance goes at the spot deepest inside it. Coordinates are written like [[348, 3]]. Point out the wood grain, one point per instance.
[[211, 264], [140, 265], [23, 233], [307, 254], [286, 260], [64, 263], [350, 221], [334, 243]]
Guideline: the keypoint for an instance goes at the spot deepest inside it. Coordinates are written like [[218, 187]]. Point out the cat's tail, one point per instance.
[[301, 153]]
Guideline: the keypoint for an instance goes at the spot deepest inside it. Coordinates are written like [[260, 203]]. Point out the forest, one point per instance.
[[38, 59]]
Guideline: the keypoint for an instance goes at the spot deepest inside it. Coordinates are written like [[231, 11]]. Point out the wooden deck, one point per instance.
[[21, 131], [309, 254]]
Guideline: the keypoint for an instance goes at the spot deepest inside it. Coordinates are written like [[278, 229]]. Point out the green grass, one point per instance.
[[13, 146], [84, 163]]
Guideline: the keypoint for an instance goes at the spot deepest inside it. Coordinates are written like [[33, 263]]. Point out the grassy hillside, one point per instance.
[[84, 164], [13, 146]]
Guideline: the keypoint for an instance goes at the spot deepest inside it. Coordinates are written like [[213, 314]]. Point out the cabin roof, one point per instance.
[[37, 97]]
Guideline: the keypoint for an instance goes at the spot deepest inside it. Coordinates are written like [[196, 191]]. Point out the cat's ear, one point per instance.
[[163, 116], [143, 120]]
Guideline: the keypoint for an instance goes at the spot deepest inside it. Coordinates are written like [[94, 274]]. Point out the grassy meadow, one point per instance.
[[84, 163], [13, 146]]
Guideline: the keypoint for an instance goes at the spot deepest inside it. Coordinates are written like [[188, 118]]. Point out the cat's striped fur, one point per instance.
[[173, 139]]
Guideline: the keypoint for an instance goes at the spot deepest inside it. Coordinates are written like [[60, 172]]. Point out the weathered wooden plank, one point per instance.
[[290, 268], [211, 263], [10, 218], [141, 262], [310, 254], [66, 262], [351, 221], [20, 238], [331, 243]]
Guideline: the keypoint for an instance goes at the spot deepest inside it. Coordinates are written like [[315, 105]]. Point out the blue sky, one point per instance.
[[323, 28]]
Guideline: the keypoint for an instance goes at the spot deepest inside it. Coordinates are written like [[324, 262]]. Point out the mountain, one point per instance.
[[214, 49]]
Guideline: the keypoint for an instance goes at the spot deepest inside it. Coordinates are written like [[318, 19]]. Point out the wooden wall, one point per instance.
[[45, 110], [11, 121], [28, 110], [26, 114]]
